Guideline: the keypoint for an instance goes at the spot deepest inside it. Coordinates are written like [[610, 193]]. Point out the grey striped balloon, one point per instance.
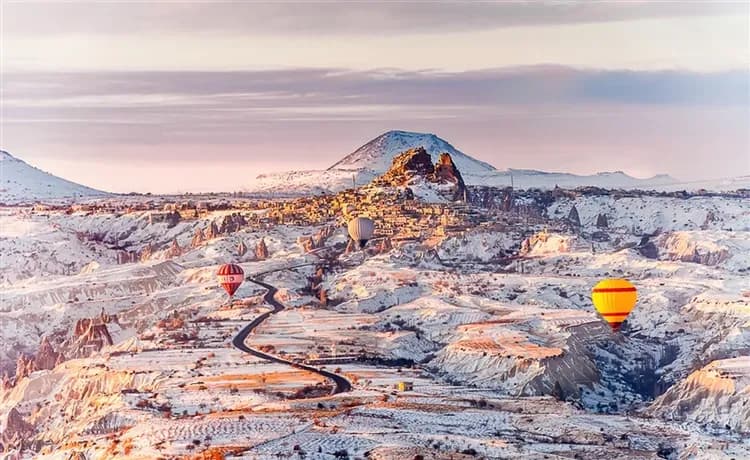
[[361, 230]]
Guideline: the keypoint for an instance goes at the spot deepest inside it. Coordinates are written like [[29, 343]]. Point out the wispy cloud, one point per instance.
[[336, 88], [334, 18]]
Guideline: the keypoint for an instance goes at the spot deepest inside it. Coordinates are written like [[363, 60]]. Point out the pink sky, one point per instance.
[[201, 96]]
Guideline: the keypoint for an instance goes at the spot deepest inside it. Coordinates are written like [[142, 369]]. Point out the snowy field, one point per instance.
[[500, 360]]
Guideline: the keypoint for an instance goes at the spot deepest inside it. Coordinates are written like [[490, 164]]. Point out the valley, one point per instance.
[[464, 329]]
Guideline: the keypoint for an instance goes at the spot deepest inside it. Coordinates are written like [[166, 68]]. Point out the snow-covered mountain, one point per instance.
[[375, 157], [378, 154], [21, 183]]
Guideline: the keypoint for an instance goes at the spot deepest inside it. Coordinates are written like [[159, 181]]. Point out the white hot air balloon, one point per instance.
[[361, 230]]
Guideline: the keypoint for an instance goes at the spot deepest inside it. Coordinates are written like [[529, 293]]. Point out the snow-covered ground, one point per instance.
[[507, 359], [21, 183], [376, 156]]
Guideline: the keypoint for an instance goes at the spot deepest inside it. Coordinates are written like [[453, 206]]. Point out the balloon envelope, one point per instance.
[[230, 277], [361, 230], [614, 299]]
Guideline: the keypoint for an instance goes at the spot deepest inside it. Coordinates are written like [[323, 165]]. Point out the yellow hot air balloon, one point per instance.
[[614, 299]]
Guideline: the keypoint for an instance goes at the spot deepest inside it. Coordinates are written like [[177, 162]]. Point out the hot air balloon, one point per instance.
[[230, 277], [361, 230], [614, 299]]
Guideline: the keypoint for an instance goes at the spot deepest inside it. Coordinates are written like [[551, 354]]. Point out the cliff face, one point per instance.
[[14, 431], [716, 394], [692, 247], [414, 167], [446, 172], [406, 166]]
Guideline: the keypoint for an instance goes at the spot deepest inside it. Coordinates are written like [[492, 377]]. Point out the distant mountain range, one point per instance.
[[21, 183], [376, 156]]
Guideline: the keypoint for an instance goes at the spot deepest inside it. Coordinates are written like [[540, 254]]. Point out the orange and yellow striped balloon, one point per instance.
[[614, 299]]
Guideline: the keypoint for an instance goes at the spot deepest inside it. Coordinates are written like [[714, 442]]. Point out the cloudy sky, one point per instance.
[[188, 96]]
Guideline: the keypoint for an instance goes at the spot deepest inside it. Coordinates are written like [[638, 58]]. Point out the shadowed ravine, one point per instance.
[[341, 384]]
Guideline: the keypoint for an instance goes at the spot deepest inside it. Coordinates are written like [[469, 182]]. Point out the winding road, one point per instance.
[[342, 385]]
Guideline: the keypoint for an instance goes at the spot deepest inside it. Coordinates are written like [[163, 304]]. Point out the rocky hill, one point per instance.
[[378, 154]]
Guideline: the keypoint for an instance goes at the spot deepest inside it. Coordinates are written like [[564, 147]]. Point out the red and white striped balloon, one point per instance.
[[231, 277]]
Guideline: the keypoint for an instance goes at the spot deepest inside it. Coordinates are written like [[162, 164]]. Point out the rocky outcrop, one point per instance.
[[198, 238], [89, 335], [520, 363], [261, 250], [24, 366], [446, 172], [241, 248], [306, 243], [46, 357], [601, 221], [232, 223], [717, 395], [174, 250], [407, 165], [688, 247], [147, 252], [14, 431], [647, 248], [126, 257], [573, 217], [413, 166], [709, 220], [546, 243], [212, 231]]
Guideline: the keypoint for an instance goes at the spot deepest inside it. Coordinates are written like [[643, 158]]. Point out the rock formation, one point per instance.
[[601, 221], [446, 172], [212, 231], [684, 246], [198, 238], [710, 219], [306, 243], [126, 257], [24, 366], [147, 252], [406, 166], [89, 335], [46, 356], [173, 218], [415, 165], [15, 431], [573, 217], [241, 248], [261, 250], [715, 394], [647, 248], [232, 223], [175, 250]]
